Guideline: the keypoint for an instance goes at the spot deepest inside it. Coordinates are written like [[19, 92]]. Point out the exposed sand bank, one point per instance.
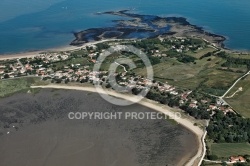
[[153, 105], [50, 138]]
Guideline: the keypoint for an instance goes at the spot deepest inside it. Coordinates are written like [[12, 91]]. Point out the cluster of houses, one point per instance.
[[182, 45], [13, 70], [49, 57], [157, 53], [16, 68], [84, 73], [219, 105]]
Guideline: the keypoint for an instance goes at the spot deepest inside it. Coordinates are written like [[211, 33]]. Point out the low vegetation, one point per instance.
[[225, 150], [8, 87], [240, 100]]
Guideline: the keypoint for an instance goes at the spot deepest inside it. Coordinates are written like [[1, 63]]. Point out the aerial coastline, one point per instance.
[[184, 121], [54, 118], [134, 30], [177, 27], [152, 26], [162, 27]]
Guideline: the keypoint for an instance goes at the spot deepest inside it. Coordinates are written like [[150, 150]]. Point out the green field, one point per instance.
[[225, 150], [187, 70], [199, 53], [10, 86], [241, 100], [242, 56], [203, 74]]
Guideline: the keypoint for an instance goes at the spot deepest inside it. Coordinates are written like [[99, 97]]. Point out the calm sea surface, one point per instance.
[[33, 25]]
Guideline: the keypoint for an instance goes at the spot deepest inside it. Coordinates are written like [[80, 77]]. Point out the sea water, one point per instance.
[[35, 25]]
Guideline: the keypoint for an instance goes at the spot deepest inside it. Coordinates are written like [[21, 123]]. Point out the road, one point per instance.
[[122, 66], [204, 145], [234, 84]]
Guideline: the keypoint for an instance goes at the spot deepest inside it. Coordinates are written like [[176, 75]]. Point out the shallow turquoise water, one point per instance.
[[32, 25]]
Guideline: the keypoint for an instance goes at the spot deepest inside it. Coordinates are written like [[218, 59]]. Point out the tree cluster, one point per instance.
[[230, 128]]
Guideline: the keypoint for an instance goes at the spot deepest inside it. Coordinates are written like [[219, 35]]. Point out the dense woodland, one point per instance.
[[230, 128]]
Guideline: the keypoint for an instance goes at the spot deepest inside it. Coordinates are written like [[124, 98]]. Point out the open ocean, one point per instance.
[[35, 25]]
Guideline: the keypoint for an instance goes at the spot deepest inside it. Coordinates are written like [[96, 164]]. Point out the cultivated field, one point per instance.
[[225, 150]]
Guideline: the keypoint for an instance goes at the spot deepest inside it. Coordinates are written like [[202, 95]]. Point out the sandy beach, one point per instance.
[[59, 49], [153, 105]]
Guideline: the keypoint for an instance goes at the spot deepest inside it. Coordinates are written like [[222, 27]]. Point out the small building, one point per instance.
[[192, 105], [233, 159], [212, 107]]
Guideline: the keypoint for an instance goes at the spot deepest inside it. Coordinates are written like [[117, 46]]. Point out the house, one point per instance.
[[1, 71], [181, 102], [194, 101], [93, 60], [192, 105], [204, 101], [174, 93], [184, 97], [212, 107], [233, 159]]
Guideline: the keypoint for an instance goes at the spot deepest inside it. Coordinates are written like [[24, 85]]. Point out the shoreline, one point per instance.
[[31, 54], [186, 123], [180, 27], [151, 25]]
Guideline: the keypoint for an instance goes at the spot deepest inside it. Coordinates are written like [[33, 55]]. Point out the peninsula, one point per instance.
[[145, 26]]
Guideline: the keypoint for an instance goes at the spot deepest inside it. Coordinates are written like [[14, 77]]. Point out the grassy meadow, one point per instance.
[[11, 86], [241, 100], [225, 150], [204, 74]]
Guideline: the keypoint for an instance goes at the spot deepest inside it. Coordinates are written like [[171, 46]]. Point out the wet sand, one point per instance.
[[43, 134]]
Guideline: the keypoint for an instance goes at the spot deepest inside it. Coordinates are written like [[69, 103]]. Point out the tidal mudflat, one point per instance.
[[35, 130]]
